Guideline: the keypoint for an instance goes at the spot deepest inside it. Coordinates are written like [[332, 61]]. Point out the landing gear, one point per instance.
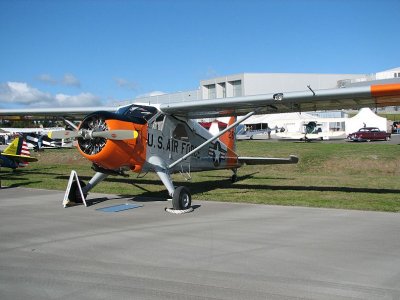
[[181, 199], [234, 176]]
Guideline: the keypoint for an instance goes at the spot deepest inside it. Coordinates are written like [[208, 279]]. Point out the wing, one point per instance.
[[330, 99], [267, 161], [59, 111]]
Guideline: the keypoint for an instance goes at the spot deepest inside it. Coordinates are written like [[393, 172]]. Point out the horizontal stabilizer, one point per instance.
[[268, 161], [20, 158]]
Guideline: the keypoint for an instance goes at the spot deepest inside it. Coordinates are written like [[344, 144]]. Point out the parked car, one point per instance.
[[369, 134]]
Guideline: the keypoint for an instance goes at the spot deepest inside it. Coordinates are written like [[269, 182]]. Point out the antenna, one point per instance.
[[309, 87]]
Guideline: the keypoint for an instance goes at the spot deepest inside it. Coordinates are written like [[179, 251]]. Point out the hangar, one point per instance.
[[247, 84]]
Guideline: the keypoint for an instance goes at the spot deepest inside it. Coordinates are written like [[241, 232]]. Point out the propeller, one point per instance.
[[94, 133], [91, 134]]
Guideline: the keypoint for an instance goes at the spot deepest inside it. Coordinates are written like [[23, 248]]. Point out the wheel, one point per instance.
[[74, 194], [234, 178], [181, 199]]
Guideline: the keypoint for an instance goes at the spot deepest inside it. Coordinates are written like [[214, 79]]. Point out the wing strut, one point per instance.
[[213, 138]]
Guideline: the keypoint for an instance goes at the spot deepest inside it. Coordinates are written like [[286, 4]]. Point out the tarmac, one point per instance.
[[218, 251]]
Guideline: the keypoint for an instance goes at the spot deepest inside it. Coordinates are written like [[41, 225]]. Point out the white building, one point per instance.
[[246, 84]]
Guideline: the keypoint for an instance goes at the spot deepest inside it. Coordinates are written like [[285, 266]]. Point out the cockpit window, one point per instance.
[[158, 122], [137, 113]]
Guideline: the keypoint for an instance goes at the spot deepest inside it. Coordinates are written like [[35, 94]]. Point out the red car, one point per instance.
[[369, 134]]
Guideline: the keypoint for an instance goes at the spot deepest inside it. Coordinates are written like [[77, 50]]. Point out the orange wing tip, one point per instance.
[[385, 90]]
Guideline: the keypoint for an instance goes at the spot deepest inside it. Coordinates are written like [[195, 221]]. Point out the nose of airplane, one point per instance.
[[112, 143]]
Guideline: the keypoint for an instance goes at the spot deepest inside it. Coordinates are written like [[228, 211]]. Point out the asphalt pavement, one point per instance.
[[219, 251]]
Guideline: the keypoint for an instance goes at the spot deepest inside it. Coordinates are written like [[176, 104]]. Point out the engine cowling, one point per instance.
[[113, 154]]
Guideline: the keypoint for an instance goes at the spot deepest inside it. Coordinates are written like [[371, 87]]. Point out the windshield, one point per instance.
[[137, 112]]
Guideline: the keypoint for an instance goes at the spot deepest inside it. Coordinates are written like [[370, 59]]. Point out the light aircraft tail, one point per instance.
[[229, 139], [18, 151]]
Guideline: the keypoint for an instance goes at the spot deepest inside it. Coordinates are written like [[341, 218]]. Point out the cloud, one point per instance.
[[20, 93], [83, 99], [123, 83], [151, 94], [71, 80], [211, 73], [67, 80], [46, 78]]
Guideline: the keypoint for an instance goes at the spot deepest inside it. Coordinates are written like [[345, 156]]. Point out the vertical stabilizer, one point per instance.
[[18, 151], [229, 139], [14, 148], [23, 151]]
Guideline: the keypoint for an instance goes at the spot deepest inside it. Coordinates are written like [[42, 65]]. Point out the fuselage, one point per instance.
[[162, 140]]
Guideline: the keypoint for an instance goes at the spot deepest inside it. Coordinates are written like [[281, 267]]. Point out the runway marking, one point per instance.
[[120, 207]]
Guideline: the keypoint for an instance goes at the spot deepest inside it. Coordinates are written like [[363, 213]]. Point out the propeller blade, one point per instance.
[[116, 134], [109, 134], [70, 124], [63, 134]]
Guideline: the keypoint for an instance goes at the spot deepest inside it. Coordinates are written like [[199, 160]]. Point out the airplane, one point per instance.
[[37, 138], [16, 155], [310, 132], [166, 138]]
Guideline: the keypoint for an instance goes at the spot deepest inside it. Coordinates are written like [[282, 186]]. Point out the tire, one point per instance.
[[234, 178], [181, 199], [74, 194]]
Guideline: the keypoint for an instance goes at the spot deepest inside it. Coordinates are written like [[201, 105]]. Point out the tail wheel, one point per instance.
[[74, 193], [181, 199], [234, 178]]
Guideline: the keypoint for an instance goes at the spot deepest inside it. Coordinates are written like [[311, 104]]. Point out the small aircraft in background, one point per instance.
[[311, 132], [37, 138], [16, 155], [166, 138]]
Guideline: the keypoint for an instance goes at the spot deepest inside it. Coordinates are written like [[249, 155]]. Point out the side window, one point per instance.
[[180, 133], [159, 122]]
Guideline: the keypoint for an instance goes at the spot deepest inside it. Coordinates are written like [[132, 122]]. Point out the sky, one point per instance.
[[59, 53]]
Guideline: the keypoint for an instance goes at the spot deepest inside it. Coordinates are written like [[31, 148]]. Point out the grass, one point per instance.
[[362, 176]]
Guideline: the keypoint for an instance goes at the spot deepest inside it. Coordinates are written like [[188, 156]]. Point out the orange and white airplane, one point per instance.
[[166, 139]]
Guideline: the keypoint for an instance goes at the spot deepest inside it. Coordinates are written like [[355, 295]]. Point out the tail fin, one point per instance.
[[229, 137], [18, 150], [14, 148]]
